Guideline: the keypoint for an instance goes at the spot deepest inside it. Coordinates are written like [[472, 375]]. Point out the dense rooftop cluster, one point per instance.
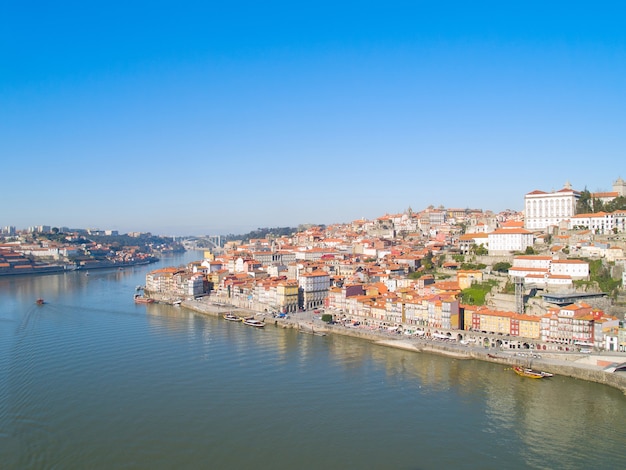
[[409, 272]]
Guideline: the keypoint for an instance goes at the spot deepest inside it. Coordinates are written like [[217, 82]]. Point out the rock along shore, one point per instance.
[[577, 366]]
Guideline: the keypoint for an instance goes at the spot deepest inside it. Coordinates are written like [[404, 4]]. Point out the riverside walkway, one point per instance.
[[591, 367]]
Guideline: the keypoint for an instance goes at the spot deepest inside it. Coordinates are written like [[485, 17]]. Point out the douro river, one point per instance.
[[90, 380]]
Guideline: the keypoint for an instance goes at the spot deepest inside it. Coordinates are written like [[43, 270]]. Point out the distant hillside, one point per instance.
[[266, 232]]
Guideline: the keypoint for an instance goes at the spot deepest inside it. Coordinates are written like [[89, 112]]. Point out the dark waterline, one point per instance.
[[91, 380]]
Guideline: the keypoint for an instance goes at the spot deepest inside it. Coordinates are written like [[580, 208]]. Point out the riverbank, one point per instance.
[[70, 267], [578, 366]]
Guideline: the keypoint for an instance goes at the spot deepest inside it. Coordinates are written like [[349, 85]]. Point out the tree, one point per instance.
[[529, 250], [501, 267], [617, 204], [583, 206], [427, 261], [479, 250]]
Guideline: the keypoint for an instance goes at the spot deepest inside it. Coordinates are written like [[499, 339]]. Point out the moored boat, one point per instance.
[[142, 300], [530, 373], [253, 322], [231, 317]]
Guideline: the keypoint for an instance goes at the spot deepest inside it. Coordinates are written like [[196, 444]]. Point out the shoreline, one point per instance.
[[69, 268], [569, 365]]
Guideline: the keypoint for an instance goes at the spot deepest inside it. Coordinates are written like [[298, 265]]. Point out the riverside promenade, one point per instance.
[[590, 367]]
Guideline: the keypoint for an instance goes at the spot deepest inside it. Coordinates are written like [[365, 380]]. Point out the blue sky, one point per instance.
[[220, 117]]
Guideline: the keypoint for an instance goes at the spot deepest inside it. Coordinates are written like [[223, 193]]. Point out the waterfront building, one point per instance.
[[450, 318], [174, 283], [529, 326], [287, 296], [314, 287], [576, 324], [495, 322]]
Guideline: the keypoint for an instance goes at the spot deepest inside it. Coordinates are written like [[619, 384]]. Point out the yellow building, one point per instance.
[[493, 321], [287, 296], [468, 277], [529, 326]]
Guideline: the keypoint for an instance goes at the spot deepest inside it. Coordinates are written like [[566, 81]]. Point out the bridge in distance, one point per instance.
[[211, 242]]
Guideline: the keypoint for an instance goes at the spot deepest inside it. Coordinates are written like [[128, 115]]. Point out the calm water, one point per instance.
[[91, 380]]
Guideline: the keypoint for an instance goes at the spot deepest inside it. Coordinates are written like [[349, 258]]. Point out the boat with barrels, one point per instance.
[[531, 373]]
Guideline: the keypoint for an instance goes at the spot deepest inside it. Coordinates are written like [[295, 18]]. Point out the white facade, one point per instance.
[[545, 271], [314, 288], [505, 240], [577, 269], [195, 285], [528, 261], [548, 280], [542, 210], [603, 223]]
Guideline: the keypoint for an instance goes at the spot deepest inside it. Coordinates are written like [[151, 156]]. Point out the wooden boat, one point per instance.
[[253, 322], [231, 317], [530, 373], [142, 300], [40, 301]]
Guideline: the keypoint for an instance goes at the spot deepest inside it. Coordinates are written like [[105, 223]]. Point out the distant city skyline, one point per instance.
[[208, 118]]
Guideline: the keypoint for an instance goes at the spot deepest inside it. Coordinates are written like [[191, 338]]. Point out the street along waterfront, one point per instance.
[[92, 380]]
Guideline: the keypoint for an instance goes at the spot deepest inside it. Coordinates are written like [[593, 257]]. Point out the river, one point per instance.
[[92, 380]]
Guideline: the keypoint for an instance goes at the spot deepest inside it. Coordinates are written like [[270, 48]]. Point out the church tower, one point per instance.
[[619, 187]]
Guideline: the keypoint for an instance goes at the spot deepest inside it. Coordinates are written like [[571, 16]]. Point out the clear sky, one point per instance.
[[220, 117]]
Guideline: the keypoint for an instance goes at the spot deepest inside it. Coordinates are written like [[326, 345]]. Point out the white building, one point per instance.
[[575, 268], [604, 223], [543, 210], [314, 288], [543, 271], [509, 240]]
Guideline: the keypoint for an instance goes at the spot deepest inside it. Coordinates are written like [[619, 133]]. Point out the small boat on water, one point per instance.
[[142, 300], [530, 373], [253, 322], [231, 317], [40, 301]]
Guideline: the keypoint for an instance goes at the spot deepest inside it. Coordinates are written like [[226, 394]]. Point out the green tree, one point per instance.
[[427, 261], [479, 250], [501, 267], [617, 204], [583, 206]]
